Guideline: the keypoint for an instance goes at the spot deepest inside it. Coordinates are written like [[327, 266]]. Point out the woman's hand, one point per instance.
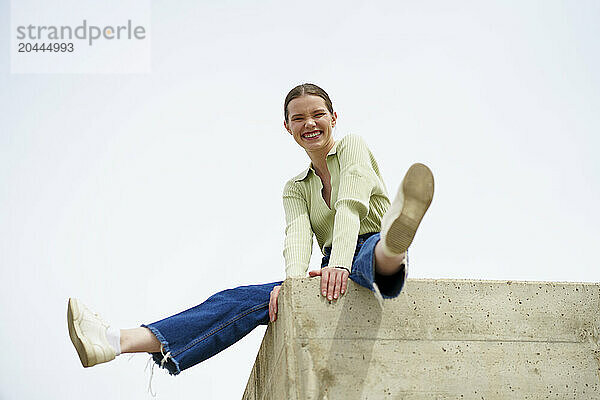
[[333, 281], [273, 303]]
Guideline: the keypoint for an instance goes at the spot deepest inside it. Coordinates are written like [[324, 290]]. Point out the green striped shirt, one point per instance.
[[358, 198]]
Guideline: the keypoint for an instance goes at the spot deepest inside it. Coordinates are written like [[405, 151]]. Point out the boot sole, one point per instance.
[[417, 189], [82, 345]]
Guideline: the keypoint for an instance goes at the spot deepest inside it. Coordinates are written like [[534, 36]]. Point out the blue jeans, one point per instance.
[[199, 333]]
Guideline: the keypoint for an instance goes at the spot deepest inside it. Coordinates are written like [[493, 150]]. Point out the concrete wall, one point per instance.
[[440, 339]]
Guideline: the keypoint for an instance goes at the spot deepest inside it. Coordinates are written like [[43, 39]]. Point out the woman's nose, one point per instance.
[[310, 122]]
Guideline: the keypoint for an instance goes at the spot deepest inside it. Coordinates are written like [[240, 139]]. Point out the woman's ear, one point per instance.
[[287, 128], [333, 119]]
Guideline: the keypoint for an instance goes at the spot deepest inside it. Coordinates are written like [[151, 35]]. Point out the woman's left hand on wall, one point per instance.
[[334, 281]]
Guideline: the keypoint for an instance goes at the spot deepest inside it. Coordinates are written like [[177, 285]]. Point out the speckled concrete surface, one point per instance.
[[440, 339]]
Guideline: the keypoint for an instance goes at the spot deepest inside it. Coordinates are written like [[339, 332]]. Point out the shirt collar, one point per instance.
[[304, 173]]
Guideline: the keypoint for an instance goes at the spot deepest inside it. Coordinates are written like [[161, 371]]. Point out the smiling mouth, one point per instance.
[[312, 135]]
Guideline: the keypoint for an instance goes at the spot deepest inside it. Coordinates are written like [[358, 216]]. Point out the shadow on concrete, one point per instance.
[[349, 333]]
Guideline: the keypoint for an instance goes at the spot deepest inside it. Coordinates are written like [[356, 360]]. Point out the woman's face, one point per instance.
[[310, 123]]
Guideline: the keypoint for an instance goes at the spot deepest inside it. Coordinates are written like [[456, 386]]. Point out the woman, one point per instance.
[[340, 198]]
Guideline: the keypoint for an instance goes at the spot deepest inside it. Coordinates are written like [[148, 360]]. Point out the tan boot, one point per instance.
[[400, 222], [88, 334]]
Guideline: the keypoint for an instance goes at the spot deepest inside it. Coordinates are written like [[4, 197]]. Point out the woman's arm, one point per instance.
[[358, 180], [298, 232]]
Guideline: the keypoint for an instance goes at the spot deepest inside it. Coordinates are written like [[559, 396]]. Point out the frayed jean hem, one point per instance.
[[164, 360]]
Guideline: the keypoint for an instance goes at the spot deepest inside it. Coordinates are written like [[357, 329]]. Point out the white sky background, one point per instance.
[[145, 194]]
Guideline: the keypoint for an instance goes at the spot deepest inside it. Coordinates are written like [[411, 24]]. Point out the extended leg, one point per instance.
[[399, 224], [200, 332], [179, 341], [382, 262]]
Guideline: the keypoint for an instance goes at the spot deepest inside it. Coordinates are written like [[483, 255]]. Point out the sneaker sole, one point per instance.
[[417, 189], [84, 348]]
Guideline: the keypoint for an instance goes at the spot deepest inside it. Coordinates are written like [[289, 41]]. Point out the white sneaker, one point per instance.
[[88, 334], [400, 222]]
